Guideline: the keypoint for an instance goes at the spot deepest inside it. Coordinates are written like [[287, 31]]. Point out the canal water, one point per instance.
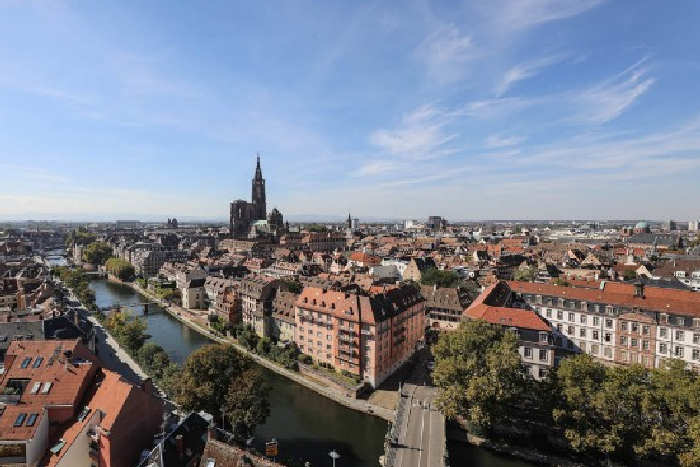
[[306, 425]]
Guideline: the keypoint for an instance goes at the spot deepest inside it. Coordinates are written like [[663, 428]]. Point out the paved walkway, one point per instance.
[[422, 439]]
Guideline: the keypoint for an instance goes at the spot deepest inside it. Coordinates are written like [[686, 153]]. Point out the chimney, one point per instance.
[[179, 444]]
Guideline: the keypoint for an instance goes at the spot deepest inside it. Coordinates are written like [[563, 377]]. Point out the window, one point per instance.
[[542, 372], [679, 336], [623, 356], [679, 351], [634, 342], [645, 330], [623, 325], [560, 315], [608, 323], [607, 351], [596, 335], [544, 337], [662, 332], [594, 349], [623, 340], [32, 419], [635, 327], [36, 387], [696, 354], [26, 362], [662, 348], [696, 338], [596, 321], [645, 345], [582, 332], [607, 337], [20, 419], [527, 352], [570, 330], [37, 362], [583, 319], [47, 387], [572, 317], [549, 313], [543, 355]]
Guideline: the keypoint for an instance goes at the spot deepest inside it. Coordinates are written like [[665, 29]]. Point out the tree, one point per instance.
[[525, 274], [479, 373], [97, 253], [294, 286], [442, 279], [246, 405], [263, 346], [120, 268], [207, 376]]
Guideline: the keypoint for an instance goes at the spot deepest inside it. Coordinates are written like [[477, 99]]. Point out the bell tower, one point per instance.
[[258, 194]]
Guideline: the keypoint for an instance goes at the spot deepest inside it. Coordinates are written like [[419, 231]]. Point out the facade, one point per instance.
[[367, 336], [242, 215], [443, 307], [620, 322], [282, 323], [257, 293], [194, 296], [536, 341]]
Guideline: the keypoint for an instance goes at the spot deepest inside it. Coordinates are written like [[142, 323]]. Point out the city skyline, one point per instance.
[[511, 110]]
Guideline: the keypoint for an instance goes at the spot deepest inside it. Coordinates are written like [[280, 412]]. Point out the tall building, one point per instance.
[[243, 214]]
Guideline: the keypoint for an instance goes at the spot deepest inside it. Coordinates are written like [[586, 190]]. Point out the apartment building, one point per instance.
[[368, 336], [257, 293], [619, 322], [536, 342]]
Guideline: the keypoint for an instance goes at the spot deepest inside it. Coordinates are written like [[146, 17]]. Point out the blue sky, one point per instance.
[[474, 110]]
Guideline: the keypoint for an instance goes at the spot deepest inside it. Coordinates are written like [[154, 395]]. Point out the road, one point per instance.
[[421, 441]]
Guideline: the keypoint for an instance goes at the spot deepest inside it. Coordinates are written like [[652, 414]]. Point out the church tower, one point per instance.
[[258, 196]]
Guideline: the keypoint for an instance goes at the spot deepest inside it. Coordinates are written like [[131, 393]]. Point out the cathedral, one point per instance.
[[248, 220]]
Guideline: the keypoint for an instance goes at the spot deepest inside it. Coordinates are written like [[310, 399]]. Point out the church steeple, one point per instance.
[[258, 195], [258, 171]]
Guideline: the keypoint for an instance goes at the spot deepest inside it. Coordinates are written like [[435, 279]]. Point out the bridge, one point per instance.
[[129, 305], [417, 437]]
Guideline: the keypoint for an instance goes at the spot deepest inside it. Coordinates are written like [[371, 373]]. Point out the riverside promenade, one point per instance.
[[188, 319]]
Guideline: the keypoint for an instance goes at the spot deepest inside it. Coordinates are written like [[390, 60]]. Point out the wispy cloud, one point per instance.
[[492, 108], [521, 14], [609, 99], [524, 71], [498, 141], [446, 52], [421, 135]]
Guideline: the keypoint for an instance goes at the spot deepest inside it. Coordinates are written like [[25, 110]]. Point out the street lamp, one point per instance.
[[334, 455]]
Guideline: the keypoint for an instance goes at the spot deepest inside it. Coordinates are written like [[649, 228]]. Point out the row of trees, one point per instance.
[[286, 356], [214, 378], [601, 413], [78, 282], [120, 268]]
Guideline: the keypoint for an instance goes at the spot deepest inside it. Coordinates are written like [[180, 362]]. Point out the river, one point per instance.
[[306, 425]]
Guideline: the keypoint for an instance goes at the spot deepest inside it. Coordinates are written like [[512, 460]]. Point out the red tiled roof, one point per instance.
[[517, 317]]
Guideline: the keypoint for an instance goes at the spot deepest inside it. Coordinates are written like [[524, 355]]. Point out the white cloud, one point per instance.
[[524, 71], [422, 135], [376, 167], [446, 52], [498, 141], [609, 99], [521, 14], [493, 108]]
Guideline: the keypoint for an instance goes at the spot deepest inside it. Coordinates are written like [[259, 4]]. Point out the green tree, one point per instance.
[[207, 376], [294, 286], [120, 268], [434, 276], [479, 373], [526, 274], [246, 404], [97, 253]]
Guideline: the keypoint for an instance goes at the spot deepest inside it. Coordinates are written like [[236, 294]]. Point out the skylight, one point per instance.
[[37, 362], [47, 387], [36, 387], [32, 419], [20, 419], [26, 362]]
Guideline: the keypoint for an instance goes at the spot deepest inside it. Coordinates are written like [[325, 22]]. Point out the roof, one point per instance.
[[516, 317], [621, 294]]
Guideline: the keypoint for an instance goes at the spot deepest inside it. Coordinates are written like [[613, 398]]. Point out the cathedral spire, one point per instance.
[[258, 171]]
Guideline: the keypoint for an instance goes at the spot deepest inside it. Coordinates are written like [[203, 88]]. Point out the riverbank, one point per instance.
[[183, 316]]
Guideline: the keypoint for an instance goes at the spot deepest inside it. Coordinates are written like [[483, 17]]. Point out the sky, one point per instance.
[[506, 109]]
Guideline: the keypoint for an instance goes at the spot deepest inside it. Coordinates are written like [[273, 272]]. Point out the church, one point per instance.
[[249, 220]]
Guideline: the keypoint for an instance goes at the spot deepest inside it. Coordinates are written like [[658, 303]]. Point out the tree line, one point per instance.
[[583, 408], [78, 282], [215, 378]]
